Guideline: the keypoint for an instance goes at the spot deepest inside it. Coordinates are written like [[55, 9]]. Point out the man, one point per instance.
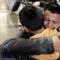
[[51, 17]]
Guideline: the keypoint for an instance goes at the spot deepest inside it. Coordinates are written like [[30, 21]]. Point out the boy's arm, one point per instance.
[[20, 46]]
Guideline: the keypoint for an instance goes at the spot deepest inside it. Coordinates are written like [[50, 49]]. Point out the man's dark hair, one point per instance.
[[53, 7], [31, 17]]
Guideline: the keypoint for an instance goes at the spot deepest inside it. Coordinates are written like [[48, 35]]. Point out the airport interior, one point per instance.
[[10, 24]]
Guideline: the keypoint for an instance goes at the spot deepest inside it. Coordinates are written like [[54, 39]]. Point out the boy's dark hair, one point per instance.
[[53, 7], [31, 17]]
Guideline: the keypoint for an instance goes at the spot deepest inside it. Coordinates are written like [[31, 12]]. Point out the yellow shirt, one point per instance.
[[47, 32]]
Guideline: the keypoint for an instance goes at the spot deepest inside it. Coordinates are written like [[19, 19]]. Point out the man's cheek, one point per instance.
[[57, 25]]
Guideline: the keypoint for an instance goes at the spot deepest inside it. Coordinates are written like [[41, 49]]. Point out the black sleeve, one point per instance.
[[20, 46]]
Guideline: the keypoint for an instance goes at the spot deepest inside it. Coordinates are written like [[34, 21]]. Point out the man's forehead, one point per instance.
[[47, 12], [51, 15]]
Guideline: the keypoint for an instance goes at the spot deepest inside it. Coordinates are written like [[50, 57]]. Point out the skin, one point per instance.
[[51, 20]]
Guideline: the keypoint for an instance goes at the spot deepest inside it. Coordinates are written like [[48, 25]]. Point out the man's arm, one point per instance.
[[56, 42], [20, 46]]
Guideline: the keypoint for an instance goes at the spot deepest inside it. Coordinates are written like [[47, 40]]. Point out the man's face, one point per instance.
[[51, 20]]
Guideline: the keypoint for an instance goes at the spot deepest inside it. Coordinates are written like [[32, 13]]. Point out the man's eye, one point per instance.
[[54, 22], [47, 20]]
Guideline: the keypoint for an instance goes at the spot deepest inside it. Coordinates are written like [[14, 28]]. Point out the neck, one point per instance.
[[37, 31]]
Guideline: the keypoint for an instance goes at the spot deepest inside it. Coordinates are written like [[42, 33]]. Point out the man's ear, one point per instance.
[[26, 29]]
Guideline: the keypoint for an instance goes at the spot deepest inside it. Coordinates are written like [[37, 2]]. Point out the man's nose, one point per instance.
[[51, 25]]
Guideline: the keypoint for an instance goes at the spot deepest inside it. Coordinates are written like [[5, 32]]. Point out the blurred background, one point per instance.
[[9, 20], [8, 23]]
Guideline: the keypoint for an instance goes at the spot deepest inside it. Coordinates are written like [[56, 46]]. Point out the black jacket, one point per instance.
[[24, 48]]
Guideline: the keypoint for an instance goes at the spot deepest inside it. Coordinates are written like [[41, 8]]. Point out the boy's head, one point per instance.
[[31, 17]]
